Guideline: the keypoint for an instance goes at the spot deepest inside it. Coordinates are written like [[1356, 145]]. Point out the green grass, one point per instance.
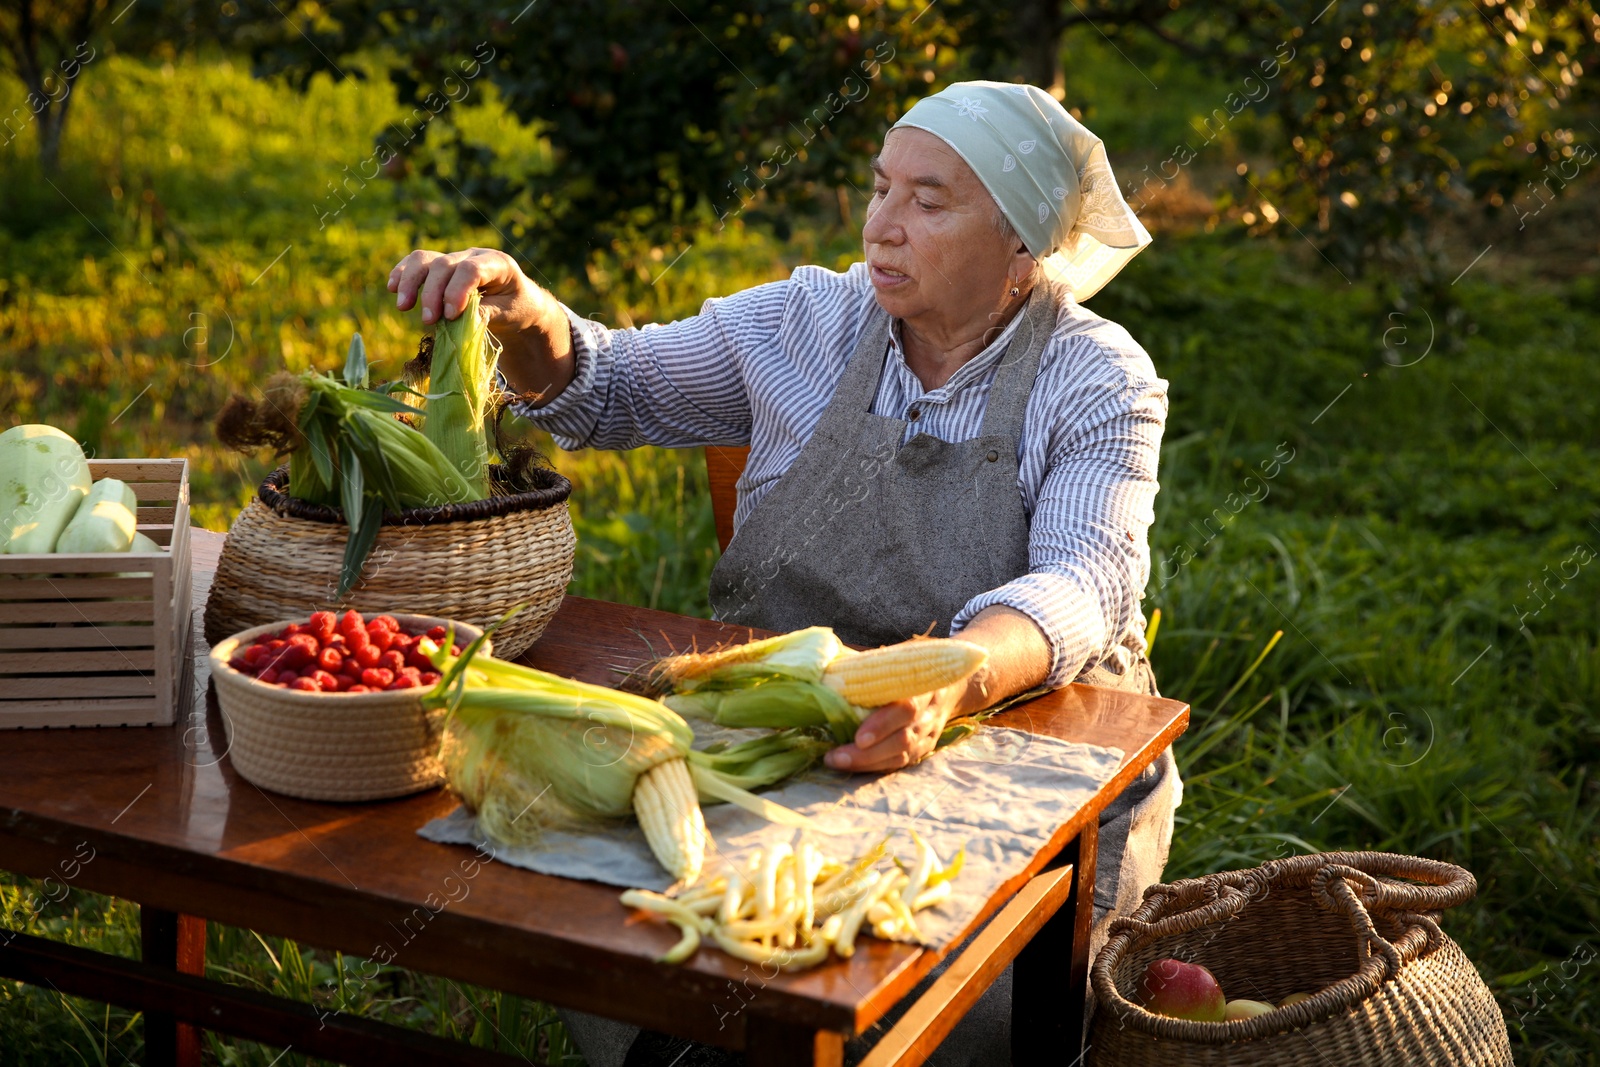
[[1407, 708], [1415, 703]]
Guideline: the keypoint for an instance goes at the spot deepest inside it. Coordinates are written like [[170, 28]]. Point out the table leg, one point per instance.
[[1050, 979], [169, 939], [775, 1043]]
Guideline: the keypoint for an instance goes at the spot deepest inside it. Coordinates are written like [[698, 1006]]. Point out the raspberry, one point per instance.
[[294, 656], [377, 677], [324, 624]]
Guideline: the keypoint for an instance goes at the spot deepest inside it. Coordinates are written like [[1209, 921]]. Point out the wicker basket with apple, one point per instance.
[[1331, 958]]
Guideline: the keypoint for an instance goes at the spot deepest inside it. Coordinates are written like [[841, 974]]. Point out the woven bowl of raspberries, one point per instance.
[[330, 707]]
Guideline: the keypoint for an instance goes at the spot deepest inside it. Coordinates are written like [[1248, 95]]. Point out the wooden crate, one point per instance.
[[100, 639]]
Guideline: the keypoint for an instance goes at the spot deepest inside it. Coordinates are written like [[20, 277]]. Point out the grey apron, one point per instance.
[[882, 540]]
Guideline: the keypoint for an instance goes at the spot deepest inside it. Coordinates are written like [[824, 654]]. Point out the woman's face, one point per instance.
[[930, 241]]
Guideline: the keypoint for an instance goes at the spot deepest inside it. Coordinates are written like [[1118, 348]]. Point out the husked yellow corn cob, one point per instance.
[[895, 672], [668, 809]]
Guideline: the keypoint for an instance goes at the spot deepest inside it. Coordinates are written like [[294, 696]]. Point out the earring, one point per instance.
[[1015, 290]]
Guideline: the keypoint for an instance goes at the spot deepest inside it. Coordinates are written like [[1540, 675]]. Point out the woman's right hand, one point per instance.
[[529, 323], [439, 283]]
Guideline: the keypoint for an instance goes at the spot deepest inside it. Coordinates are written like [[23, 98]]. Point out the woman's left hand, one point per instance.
[[899, 734]]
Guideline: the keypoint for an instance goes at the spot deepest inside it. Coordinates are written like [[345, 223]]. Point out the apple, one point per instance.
[[1182, 991], [1292, 999], [1245, 1009]]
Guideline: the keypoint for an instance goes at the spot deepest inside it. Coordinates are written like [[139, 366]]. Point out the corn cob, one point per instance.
[[895, 672], [807, 679], [664, 799], [529, 751]]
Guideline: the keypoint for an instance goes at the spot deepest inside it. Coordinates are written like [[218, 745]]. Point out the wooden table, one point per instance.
[[158, 816]]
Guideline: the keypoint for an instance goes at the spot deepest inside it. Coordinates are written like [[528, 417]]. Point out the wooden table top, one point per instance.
[[172, 826]]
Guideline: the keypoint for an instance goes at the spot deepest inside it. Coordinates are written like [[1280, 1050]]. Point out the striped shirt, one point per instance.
[[759, 367]]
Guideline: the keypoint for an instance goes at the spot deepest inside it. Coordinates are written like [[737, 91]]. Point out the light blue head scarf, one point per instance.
[[1047, 172]]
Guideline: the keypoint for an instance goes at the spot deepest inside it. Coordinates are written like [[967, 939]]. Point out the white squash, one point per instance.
[[141, 543], [106, 520], [43, 479]]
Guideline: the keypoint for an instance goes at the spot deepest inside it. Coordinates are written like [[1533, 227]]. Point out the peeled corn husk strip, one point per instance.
[[874, 886], [689, 923], [792, 907], [749, 951], [927, 861], [767, 888], [930, 897], [812, 954]]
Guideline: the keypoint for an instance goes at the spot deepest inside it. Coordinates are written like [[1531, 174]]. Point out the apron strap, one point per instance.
[[1018, 367], [858, 386]]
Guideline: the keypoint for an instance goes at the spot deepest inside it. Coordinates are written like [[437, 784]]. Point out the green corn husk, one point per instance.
[[346, 449], [762, 761], [799, 656], [589, 753], [375, 461], [458, 410], [775, 704], [775, 683], [529, 751]]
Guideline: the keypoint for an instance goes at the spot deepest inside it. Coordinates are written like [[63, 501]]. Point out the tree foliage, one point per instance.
[[1391, 115], [660, 118], [46, 46]]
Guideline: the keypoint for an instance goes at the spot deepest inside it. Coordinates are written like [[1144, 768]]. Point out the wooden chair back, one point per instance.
[[724, 465]]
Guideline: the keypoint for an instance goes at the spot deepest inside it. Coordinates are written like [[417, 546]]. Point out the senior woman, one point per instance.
[[941, 438]]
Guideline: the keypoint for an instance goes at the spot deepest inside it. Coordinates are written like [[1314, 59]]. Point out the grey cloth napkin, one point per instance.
[[1000, 793]]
